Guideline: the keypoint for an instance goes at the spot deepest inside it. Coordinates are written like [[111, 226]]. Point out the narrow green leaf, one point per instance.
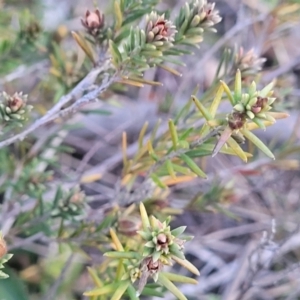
[[186, 134], [122, 35], [116, 240], [192, 165], [186, 264], [157, 181], [170, 286], [149, 291], [228, 92], [181, 169], [107, 289], [170, 70], [237, 149], [145, 81], [238, 86], [266, 90], [257, 142], [173, 133], [120, 254], [134, 16], [260, 123], [120, 290], [96, 111], [175, 251], [84, 46], [178, 231], [144, 217], [94, 276], [115, 53], [216, 102], [179, 278], [132, 292], [204, 111], [118, 13], [170, 169]]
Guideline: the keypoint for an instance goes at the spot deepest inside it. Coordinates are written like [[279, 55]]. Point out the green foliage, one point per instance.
[[47, 206], [157, 246]]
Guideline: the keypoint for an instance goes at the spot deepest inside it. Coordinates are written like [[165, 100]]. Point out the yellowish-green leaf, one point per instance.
[[259, 122], [84, 46], [120, 290], [115, 53], [193, 166], [202, 151], [132, 293], [120, 270], [170, 286], [179, 179], [237, 86], [253, 126], [170, 70], [179, 278], [94, 277], [278, 115], [118, 13], [216, 102], [130, 82], [170, 169], [266, 90], [173, 133], [237, 149], [116, 240], [186, 264], [228, 92], [107, 289], [204, 111], [144, 217], [157, 181], [257, 142], [145, 81], [122, 254]]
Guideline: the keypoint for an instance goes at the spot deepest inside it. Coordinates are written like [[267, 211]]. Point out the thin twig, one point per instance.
[[76, 94], [146, 187]]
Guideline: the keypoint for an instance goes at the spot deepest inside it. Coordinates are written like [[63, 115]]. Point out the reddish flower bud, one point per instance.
[[93, 21], [162, 239], [259, 105], [158, 29]]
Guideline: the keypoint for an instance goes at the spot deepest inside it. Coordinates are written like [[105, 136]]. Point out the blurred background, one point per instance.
[[245, 217]]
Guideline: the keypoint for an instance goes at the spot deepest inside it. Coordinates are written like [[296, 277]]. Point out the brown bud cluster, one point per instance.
[[236, 120], [93, 21], [151, 266]]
